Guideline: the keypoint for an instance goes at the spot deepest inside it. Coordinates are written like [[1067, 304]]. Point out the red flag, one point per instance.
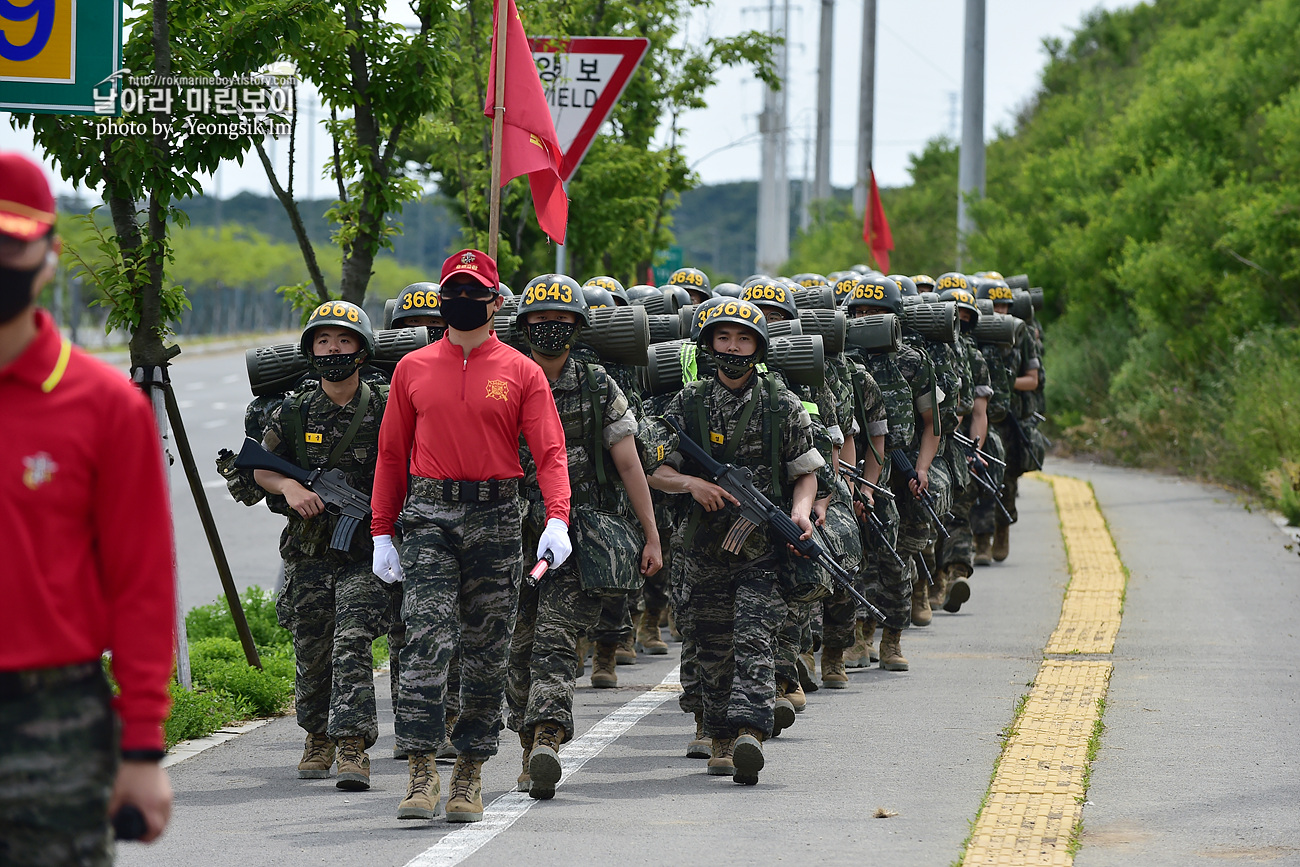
[[529, 145], [875, 228]]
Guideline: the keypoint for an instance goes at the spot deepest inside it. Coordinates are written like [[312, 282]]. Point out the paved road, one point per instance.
[[1197, 763]]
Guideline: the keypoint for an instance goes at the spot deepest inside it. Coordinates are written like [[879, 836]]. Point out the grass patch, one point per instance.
[[1094, 746], [226, 688]]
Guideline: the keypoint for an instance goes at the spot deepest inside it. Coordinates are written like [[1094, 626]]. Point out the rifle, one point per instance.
[[977, 472], [757, 510], [974, 444], [874, 524], [341, 499], [1023, 438], [900, 459], [922, 568]]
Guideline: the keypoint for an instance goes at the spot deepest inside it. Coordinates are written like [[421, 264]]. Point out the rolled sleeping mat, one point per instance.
[[802, 359], [664, 328], [999, 329], [817, 298], [276, 369], [619, 335], [1022, 305], [662, 373], [784, 328], [1036, 295], [829, 324], [508, 333], [985, 305], [389, 307], [929, 297], [657, 305], [509, 307], [687, 315], [909, 300], [879, 333], [934, 322], [1019, 281]]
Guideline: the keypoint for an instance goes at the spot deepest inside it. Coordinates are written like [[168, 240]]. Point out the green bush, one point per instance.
[[198, 713], [209, 621], [263, 692]]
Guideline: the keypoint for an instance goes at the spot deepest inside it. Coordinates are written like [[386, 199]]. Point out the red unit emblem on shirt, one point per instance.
[[499, 389], [39, 469]]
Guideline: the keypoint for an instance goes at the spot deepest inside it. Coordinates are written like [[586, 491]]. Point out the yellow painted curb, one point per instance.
[[1035, 799]]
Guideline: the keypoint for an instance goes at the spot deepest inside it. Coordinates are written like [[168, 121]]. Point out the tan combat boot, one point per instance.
[[699, 748], [525, 741], [921, 615], [958, 589], [720, 763], [602, 667], [465, 791], [983, 550], [647, 633], [354, 764], [834, 675], [794, 692], [869, 636], [422, 790], [317, 758], [625, 650], [891, 654], [446, 751], [584, 651], [939, 589], [857, 655], [806, 665], [544, 761], [1002, 542], [783, 712], [747, 756]]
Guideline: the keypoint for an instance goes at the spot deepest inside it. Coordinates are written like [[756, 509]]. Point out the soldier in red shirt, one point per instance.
[[82, 574], [449, 461]]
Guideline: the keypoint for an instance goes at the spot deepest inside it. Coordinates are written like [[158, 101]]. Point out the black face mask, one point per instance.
[[466, 314], [338, 367], [551, 339], [734, 366], [16, 290], [968, 325], [436, 332]]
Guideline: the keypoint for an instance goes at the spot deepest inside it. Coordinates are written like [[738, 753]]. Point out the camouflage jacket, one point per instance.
[[907, 385], [784, 425], [947, 376], [577, 391], [323, 427]]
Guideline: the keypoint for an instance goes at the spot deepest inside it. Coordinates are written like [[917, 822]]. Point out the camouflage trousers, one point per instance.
[[614, 622], [462, 564], [690, 700], [985, 516], [335, 609], [888, 585], [731, 615], [654, 595], [793, 636], [959, 548], [916, 530], [58, 760], [544, 648], [843, 537]]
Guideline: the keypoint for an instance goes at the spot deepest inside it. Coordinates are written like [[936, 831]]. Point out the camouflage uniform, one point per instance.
[[1005, 365], [64, 733], [959, 548], [462, 564], [729, 606], [331, 602], [906, 381], [543, 650]]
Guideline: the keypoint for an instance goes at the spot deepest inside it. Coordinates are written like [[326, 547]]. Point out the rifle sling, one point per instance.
[[706, 442], [295, 427]]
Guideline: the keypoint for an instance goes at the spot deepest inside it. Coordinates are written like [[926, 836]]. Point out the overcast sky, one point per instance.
[[918, 84]]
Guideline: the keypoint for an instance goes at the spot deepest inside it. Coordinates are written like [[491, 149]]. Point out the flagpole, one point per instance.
[[498, 125]]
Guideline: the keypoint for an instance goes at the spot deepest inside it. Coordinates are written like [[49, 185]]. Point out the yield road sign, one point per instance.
[[583, 77]]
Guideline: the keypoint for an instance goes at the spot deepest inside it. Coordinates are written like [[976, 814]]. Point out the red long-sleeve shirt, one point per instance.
[[451, 417], [87, 565]]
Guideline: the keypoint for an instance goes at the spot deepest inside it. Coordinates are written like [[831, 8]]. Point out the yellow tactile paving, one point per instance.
[[1036, 796]]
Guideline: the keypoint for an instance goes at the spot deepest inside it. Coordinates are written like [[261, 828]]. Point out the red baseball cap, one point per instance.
[[474, 264], [26, 203]]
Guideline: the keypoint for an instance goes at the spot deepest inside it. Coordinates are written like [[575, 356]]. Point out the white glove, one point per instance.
[[556, 538], [386, 562]]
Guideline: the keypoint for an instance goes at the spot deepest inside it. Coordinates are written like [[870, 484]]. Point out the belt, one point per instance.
[[454, 491], [17, 684]]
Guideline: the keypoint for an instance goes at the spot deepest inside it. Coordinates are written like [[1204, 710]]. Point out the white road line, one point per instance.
[[458, 845]]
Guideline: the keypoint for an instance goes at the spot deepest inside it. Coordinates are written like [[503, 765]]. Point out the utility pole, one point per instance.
[[866, 106], [774, 183], [825, 71], [970, 177], [805, 191]]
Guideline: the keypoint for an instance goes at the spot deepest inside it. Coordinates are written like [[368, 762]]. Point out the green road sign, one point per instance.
[[666, 262], [60, 56]]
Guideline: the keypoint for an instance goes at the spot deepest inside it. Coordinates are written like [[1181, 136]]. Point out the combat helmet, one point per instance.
[[344, 314], [552, 292], [773, 293], [875, 292]]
